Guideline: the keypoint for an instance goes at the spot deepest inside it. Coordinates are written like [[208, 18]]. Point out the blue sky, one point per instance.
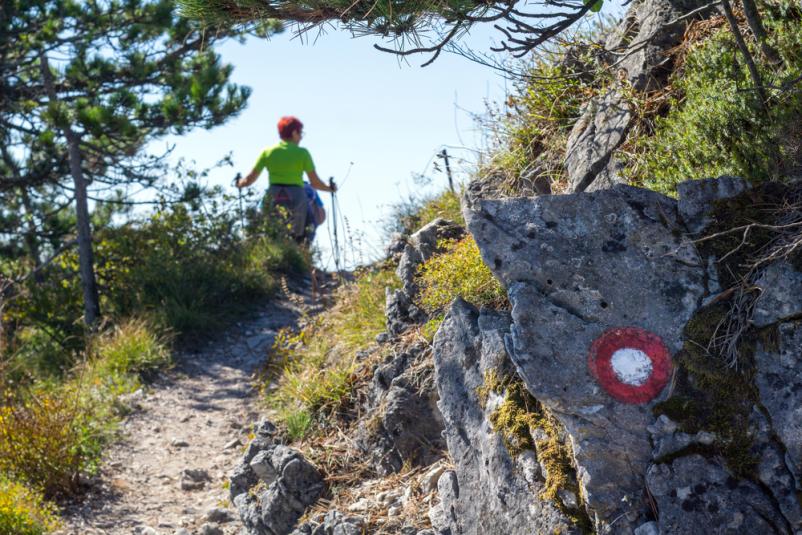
[[360, 105]]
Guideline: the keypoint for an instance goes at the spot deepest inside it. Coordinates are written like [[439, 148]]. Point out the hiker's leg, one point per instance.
[[277, 207], [297, 213]]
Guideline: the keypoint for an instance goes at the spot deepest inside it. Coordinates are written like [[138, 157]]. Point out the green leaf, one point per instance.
[[595, 5]]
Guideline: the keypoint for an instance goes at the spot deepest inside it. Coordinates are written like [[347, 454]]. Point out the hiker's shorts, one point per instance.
[[291, 200]]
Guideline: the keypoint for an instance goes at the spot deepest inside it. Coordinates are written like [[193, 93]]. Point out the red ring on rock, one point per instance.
[[601, 354]]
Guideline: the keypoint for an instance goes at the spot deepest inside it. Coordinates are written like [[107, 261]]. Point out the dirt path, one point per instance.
[[167, 475]]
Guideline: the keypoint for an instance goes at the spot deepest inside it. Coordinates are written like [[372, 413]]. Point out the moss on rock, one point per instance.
[[524, 424]]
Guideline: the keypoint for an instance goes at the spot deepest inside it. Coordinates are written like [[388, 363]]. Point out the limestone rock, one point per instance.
[[292, 484], [487, 492], [779, 380], [577, 266], [402, 422], [697, 198], [774, 473], [780, 287], [649, 29], [600, 130], [696, 495], [653, 26], [400, 307]]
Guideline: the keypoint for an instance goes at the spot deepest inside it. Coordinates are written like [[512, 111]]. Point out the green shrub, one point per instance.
[[458, 272], [42, 440], [24, 511], [716, 125], [131, 347], [53, 431], [190, 270], [317, 365]]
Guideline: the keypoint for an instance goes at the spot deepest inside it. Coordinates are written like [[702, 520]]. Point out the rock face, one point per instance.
[[401, 310], [603, 286], [695, 495], [779, 379], [402, 422], [563, 260], [489, 491], [601, 129], [605, 121], [273, 486]]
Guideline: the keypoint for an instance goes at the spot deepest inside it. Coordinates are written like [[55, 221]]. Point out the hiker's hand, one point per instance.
[[238, 180], [332, 186]]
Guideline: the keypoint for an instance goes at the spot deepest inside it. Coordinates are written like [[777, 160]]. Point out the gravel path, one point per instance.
[[167, 474]]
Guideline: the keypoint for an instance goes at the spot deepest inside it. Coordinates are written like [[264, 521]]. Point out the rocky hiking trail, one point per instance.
[[168, 473]]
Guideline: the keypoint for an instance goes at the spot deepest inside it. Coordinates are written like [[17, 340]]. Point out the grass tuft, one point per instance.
[[317, 365], [458, 272]]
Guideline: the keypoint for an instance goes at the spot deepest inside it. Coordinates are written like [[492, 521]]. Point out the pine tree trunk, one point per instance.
[[750, 62], [86, 259], [30, 231], [756, 25]]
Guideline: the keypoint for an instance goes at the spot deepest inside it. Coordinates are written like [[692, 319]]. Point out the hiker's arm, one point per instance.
[[317, 183], [250, 179]]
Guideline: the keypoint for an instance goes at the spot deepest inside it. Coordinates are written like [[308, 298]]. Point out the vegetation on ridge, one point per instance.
[[715, 124]]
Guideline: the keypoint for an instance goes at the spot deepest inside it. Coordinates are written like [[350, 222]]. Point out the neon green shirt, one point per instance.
[[285, 164]]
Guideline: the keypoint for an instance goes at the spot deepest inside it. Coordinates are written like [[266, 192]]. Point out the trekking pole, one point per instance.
[[239, 194], [334, 223]]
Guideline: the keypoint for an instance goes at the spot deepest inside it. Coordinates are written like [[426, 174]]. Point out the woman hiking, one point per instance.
[[286, 164]]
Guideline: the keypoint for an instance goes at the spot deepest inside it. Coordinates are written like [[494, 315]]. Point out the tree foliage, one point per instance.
[[418, 26], [84, 87]]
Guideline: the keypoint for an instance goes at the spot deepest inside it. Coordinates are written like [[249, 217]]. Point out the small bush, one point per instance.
[[43, 441], [459, 272], [317, 365], [24, 511], [190, 270], [53, 431], [716, 125]]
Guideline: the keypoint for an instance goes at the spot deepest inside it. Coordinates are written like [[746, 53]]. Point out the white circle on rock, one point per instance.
[[631, 366]]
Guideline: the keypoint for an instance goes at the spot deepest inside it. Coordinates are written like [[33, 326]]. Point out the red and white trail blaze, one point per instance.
[[631, 364]]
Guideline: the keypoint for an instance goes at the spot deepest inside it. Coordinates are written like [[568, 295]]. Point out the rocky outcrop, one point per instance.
[[638, 51], [563, 260], [401, 310], [490, 490], [604, 287], [273, 485], [402, 422]]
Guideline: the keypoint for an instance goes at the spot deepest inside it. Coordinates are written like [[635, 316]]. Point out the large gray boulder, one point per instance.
[[578, 267], [489, 490]]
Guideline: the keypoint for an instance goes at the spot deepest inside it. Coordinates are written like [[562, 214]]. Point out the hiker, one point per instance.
[[286, 164]]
